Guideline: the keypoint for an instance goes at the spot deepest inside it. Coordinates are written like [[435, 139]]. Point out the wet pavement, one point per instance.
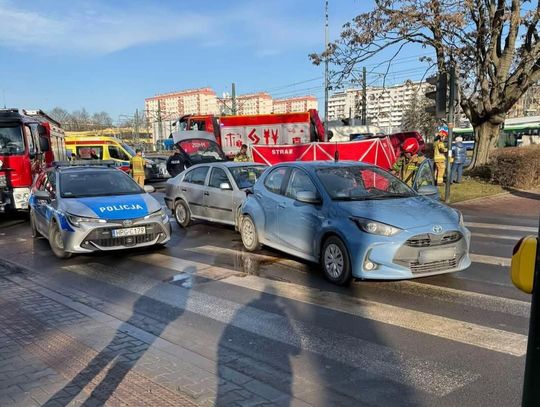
[[201, 322]]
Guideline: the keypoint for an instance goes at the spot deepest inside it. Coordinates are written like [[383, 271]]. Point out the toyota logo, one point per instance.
[[127, 222], [437, 229]]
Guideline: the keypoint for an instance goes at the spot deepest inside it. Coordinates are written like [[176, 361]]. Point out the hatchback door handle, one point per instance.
[[282, 205], [258, 195]]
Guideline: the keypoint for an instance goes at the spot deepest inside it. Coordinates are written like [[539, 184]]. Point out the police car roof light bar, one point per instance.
[[85, 163]]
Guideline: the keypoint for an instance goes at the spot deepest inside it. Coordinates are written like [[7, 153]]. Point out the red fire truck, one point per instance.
[[29, 141], [263, 129]]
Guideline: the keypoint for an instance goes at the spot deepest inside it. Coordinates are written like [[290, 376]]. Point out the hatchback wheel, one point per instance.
[[56, 242], [181, 213], [249, 234], [335, 261]]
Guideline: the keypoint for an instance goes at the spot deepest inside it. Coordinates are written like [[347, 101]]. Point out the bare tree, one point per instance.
[[60, 115], [415, 117], [494, 45]]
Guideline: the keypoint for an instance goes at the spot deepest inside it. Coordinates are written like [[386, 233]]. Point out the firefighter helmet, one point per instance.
[[410, 145]]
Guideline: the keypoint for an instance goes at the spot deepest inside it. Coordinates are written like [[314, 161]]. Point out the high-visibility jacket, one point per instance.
[[137, 164], [406, 169], [439, 150]]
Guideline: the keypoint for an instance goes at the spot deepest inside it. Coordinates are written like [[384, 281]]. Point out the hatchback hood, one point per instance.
[[404, 213], [112, 207]]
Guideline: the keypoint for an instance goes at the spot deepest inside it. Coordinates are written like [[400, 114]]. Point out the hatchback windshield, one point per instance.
[[79, 184], [361, 183], [246, 176], [11, 140]]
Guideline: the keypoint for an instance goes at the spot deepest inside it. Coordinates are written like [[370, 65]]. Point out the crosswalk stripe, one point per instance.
[[500, 226], [378, 360], [442, 327], [492, 236], [493, 260], [464, 332]]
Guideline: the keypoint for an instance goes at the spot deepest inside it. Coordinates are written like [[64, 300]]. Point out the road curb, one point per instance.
[[481, 198]]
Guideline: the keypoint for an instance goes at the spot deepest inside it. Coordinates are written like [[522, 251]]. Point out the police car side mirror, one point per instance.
[[42, 196], [149, 189]]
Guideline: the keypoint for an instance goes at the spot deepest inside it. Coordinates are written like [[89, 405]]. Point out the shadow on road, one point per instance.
[[234, 337], [524, 194], [120, 353]]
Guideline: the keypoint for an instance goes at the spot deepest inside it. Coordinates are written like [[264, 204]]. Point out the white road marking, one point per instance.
[[377, 360], [491, 236], [500, 226], [494, 260], [459, 331]]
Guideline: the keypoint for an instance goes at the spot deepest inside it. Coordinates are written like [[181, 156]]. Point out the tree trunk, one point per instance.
[[486, 139]]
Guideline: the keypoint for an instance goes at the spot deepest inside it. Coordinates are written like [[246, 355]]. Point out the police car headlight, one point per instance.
[[161, 213], [80, 220]]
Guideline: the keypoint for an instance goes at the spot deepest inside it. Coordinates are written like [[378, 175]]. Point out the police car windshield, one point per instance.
[[81, 184]]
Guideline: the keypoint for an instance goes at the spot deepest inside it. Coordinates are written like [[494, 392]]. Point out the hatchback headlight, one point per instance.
[[79, 220], [375, 228]]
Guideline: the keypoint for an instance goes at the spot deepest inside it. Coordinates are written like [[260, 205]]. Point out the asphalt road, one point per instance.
[[448, 340]]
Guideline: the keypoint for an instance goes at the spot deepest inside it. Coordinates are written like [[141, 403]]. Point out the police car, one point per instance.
[[91, 207]]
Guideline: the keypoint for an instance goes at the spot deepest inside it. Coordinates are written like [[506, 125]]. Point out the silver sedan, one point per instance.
[[213, 192]]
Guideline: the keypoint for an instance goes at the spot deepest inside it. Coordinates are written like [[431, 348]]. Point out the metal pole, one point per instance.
[[451, 102], [326, 71], [233, 99], [364, 96], [531, 382]]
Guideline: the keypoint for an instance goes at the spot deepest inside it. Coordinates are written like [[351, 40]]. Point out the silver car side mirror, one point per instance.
[[149, 189], [225, 186]]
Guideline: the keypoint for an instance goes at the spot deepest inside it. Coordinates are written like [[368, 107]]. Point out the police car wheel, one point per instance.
[[35, 233], [56, 242], [181, 213]]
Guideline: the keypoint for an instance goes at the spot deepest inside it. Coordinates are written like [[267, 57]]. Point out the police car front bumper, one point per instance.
[[94, 236]]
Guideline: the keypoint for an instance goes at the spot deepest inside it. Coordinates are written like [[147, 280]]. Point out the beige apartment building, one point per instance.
[[176, 104], [295, 104]]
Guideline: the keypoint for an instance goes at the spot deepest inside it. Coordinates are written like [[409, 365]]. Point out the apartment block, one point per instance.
[[385, 105], [295, 104]]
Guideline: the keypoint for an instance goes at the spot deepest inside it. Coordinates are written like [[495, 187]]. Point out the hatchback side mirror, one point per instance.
[[225, 186], [428, 190], [309, 197]]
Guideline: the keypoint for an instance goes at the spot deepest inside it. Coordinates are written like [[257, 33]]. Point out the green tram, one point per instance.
[[512, 135]]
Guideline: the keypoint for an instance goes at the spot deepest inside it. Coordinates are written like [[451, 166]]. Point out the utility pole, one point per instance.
[[364, 96], [160, 123], [326, 71], [233, 99], [451, 103], [136, 125]]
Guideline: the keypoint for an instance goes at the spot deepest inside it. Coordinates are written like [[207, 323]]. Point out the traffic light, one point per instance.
[[438, 95]]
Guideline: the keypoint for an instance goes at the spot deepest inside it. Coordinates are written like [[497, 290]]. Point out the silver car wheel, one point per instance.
[[180, 213], [333, 260]]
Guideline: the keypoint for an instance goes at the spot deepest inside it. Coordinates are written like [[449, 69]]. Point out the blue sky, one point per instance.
[[110, 55]]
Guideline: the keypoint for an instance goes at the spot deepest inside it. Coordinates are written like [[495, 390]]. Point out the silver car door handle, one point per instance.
[[206, 193], [282, 205], [184, 190]]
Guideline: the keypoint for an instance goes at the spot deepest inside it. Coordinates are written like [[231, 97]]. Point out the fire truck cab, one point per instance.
[[29, 142]]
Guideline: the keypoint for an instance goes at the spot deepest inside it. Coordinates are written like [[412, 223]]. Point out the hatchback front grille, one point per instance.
[[434, 266], [430, 240]]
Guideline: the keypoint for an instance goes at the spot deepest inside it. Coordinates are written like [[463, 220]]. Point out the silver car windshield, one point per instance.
[[246, 176], [97, 183], [362, 183]]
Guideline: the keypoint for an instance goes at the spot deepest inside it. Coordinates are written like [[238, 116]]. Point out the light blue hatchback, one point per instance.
[[356, 220]]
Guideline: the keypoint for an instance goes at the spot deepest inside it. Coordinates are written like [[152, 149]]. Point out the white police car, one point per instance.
[[82, 209]]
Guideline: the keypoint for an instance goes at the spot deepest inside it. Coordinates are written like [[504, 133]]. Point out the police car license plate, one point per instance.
[[140, 230], [429, 256]]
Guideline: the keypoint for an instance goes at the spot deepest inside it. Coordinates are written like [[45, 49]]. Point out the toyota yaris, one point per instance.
[[82, 209], [356, 220]]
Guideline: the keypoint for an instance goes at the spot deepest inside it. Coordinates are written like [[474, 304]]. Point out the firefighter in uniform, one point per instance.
[[137, 165], [409, 161], [242, 156], [439, 157]]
